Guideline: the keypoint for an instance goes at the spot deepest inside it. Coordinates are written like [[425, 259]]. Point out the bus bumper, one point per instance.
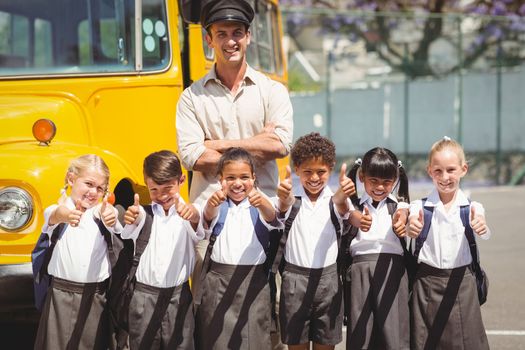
[[16, 294]]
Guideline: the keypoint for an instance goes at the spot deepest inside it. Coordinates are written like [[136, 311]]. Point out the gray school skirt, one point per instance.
[[445, 310], [161, 318], [379, 316], [74, 316], [311, 305], [235, 311]]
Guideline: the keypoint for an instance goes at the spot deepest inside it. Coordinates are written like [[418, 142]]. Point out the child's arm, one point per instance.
[[263, 204], [187, 212], [211, 209], [63, 214], [345, 191], [284, 193]]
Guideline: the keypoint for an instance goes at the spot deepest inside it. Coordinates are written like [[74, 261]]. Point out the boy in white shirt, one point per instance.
[[311, 291], [161, 312]]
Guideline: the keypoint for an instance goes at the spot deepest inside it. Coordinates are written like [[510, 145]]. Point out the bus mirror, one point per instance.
[[191, 10]]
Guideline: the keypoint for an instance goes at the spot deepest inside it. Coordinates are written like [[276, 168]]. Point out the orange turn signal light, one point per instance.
[[44, 130], [111, 198]]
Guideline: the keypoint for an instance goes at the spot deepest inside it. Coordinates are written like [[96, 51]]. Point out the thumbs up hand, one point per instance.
[[345, 183], [74, 216], [284, 191], [107, 213], [366, 220], [399, 222], [415, 224], [212, 205], [131, 215], [346, 187], [255, 198], [219, 196], [477, 222], [186, 211]]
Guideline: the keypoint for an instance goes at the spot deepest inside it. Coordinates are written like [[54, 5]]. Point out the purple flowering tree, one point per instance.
[[497, 30]]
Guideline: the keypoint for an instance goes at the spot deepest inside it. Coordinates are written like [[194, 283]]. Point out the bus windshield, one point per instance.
[[46, 37]]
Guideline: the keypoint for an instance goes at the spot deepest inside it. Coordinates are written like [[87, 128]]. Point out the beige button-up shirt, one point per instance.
[[208, 111]]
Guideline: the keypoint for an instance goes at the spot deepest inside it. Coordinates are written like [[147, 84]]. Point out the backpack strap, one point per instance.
[[392, 207], [335, 222], [140, 243], [428, 211], [464, 212], [57, 233], [287, 226]]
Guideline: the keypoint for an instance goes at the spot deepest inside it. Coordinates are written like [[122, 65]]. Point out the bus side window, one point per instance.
[[264, 51]]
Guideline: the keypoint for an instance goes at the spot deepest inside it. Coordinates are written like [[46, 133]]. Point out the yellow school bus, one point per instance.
[[94, 76]]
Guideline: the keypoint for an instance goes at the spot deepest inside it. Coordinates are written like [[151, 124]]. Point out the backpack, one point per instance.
[[125, 258], [40, 257], [482, 281], [261, 231]]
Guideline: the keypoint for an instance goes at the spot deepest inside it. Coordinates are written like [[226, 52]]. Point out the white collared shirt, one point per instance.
[[208, 111], [312, 240], [169, 257], [446, 246], [237, 243], [381, 237], [81, 253]]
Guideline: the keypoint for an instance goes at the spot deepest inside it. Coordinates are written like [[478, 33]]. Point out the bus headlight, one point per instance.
[[16, 208]]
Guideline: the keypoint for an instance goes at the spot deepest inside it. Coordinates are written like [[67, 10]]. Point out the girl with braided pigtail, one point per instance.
[[377, 305]]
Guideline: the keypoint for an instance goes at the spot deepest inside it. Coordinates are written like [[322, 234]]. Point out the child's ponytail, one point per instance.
[[352, 174], [402, 191]]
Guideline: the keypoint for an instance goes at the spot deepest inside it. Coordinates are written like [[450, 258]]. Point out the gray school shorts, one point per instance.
[[311, 306]]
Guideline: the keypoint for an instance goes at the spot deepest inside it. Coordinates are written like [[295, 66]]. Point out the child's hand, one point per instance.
[[69, 216], [399, 222], [133, 211], [255, 198], [345, 183], [218, 197], [477, 222], [186, 211], [212, 205], [76, 214], [284, 191], [415, 224], [366, 220], [107, 213]]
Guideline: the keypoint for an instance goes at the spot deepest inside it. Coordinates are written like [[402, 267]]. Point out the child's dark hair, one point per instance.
[[313, 146], [381, 163], [162, 166], [235, 154]]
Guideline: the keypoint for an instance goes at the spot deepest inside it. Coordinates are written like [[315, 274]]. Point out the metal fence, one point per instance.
[[404, 81]]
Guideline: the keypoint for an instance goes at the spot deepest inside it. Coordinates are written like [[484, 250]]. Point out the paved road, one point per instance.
[[503, 258]]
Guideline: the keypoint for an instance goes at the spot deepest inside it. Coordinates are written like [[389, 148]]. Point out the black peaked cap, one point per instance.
[[226, 10]]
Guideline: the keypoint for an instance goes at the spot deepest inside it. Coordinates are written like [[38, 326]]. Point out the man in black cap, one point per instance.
[[232, 106]]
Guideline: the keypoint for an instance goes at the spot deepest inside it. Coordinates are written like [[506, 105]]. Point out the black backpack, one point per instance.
[[125, 258]]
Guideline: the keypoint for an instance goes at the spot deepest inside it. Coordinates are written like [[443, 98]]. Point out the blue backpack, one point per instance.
[[40, 257]]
